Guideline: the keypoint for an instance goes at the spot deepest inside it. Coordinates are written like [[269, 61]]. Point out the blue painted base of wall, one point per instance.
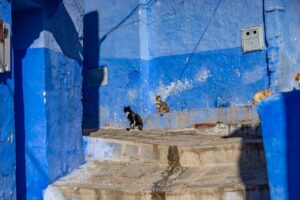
[[212, 79], [280, 119], [219, 78], [187, 119]]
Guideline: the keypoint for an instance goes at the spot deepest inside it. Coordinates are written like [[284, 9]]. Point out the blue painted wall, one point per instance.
[[49, 69], [189, 52], [279, 115], [196, 57], [282, 35], [291, 55], [280, 121], [112, 39], [7, 127]]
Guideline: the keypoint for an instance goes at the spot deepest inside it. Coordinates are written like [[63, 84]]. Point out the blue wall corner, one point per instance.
[[280, 121], [150, 53], [7, 123], [49, 68]]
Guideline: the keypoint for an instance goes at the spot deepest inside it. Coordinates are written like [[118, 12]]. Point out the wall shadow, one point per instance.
[[292, 137], [21, 35], [91, 84], [252, 163]]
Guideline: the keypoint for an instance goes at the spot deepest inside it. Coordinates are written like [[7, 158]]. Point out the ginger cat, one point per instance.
[[260, 95]]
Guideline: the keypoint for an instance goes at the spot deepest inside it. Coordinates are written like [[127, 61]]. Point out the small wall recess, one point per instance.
[[4, 47], [98, 76], [252, 38]]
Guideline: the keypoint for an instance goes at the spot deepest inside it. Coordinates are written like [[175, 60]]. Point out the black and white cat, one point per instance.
[[134, 119]]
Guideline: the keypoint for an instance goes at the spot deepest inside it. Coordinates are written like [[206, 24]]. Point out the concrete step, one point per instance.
[[107, 180], [157, 146]]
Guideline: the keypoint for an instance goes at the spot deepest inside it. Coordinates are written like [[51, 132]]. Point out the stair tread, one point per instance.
[[180, 138], [142, 176]]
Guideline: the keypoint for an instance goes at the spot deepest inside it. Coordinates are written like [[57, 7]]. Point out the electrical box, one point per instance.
[[4, 47], [252, 38]]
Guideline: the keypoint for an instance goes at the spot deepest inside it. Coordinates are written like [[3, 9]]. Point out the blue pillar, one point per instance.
[[280, 120], [7, 131], [49, 61], [274, 15]]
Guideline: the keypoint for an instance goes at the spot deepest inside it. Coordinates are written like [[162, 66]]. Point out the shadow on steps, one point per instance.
[[248, 163]]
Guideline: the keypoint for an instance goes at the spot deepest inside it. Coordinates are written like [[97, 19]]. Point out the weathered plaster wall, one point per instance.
[[49, 67], [197, 61], [189, 52], [291, 32], [112, 39], [7, 127], [282, 35]]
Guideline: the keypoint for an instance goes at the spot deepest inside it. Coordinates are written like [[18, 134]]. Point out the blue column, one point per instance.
[[49, 65], [7, 128], [280, 119], [274, 13]]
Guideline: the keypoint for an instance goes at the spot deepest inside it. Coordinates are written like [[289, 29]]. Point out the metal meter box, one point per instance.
[[252, 38], [4, 47]]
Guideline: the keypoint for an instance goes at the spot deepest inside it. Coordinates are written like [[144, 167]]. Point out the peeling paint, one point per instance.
[[132, 94], [173, 88], [253, 75], [202, 75]]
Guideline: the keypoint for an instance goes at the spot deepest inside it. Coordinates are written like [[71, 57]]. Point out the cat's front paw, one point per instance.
[[127, 129]]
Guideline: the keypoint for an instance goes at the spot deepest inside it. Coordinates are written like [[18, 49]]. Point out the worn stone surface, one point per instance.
[[135, 180], [165, 165], [153, 146]]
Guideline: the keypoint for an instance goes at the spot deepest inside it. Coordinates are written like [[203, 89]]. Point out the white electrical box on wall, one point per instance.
[[252, 38]]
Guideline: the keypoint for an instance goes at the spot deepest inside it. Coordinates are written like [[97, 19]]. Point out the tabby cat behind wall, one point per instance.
[[161, 106]]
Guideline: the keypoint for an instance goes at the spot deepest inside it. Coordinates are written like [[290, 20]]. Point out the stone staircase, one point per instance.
[[166, 165]]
